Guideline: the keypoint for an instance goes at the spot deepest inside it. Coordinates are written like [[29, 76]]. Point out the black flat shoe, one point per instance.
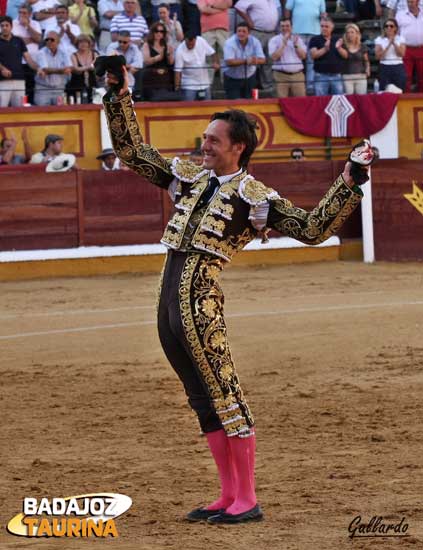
[[202, 514], [255, 514]]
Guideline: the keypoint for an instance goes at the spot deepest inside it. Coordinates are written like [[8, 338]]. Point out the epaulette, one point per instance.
[[187, 171], [254, 192]]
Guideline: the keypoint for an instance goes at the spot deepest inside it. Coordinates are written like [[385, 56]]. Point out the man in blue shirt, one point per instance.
[[55, 68], [306, 16], [242, 54]]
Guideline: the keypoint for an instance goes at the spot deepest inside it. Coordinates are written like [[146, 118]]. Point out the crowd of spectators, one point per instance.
[[179, 49]]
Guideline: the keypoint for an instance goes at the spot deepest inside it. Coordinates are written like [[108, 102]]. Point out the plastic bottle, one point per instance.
[[376, 86]]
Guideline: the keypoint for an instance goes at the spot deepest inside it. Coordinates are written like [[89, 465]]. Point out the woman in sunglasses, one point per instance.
[[158, 61], [390, 50]]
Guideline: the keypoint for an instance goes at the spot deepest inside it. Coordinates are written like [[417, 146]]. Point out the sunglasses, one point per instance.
[[389, 26], [160, 30], [123, 41], [50, 40]]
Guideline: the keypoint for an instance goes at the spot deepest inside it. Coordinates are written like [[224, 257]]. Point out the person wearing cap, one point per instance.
[[109, 160], [53, 146]]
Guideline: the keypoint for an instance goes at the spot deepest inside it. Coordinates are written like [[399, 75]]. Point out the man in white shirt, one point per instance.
[[288, 52], [107, 9], [396, 6], [262, 18], [30, 31], [410, 22], [53, 147], [44, 11], [191, 74], [68, 32]]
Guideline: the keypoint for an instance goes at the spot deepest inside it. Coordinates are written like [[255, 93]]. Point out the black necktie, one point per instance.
[[208, 192]]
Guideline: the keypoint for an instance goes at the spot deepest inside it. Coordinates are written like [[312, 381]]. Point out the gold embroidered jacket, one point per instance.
[[224, 227]]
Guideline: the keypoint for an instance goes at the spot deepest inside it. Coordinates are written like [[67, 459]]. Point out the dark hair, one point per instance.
[[27, 7], [7, 19], [163, 5], [150, 36], [297, 153], [242, 129], [285, 19], [392, 20], [242, 24]]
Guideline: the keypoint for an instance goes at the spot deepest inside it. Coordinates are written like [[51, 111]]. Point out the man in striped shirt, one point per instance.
[[129, 20]]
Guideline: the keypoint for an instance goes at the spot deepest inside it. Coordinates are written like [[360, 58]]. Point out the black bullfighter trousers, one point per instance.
[[192, 332]]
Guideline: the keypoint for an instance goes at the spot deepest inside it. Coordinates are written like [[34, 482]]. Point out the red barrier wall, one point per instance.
[[70, 209], [120, 208], [398, 224], [38, 210]]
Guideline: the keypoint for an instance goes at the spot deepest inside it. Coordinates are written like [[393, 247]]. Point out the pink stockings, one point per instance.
[[234, 457]]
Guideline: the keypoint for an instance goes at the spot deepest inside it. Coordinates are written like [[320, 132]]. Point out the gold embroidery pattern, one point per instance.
[[254, 192], [201, 304], [225, 249], [221, 209], [215, 225], [186, 170], [171, 238], [323, 221], [128, 143], [182, 217]]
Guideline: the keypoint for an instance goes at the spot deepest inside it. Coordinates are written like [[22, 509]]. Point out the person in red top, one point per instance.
[[214, 22], [410, 23]]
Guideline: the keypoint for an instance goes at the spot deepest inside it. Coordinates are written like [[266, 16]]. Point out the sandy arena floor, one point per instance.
[[330, 357]]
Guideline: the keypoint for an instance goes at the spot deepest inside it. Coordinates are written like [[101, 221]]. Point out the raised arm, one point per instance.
[[127, 140], [323, 221]]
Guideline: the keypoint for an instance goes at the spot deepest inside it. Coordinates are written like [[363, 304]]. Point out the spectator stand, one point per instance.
[[370, 29]]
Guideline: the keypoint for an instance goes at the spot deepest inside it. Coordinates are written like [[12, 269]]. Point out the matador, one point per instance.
[[219, 208]]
